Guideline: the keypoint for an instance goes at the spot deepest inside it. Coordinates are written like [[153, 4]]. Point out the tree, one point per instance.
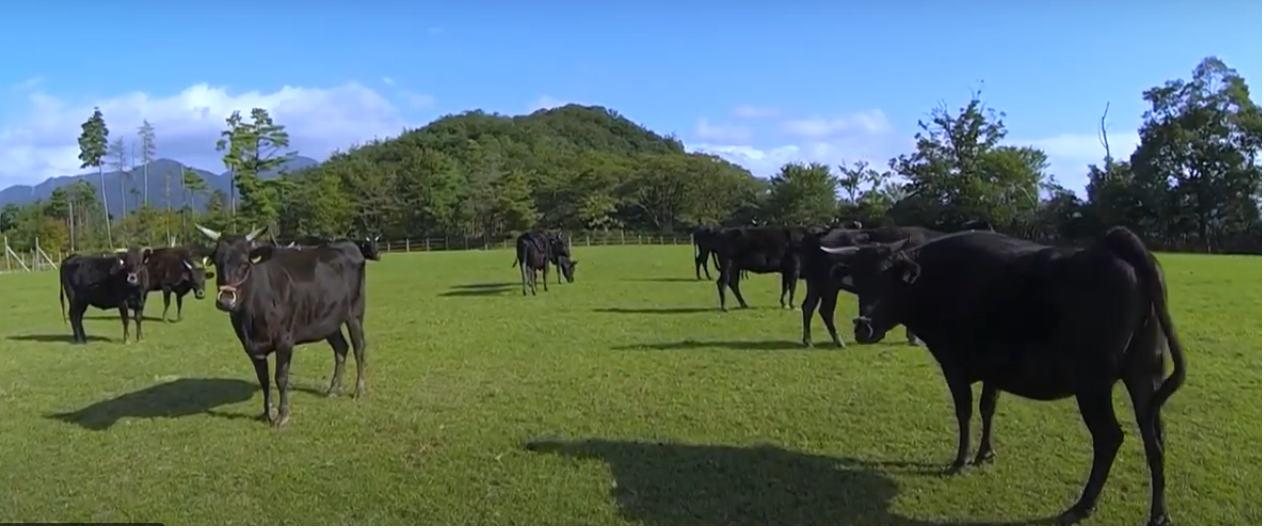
[[802, 194], [191, 186], [118, 161], [1202, 138], [92, 150], [254, 149], [148, 149]]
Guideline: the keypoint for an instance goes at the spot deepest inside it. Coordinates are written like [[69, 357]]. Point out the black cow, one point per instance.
[[292, 298], [172, 270], [560, 256], [1041, 322], [822, 291], [759, 250], [703, 240], [533, 249], [114, 281]]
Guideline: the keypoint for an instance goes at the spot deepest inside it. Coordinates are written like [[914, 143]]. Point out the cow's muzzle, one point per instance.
[[199, 294], [226, 299], [865, 332], [132, 279]]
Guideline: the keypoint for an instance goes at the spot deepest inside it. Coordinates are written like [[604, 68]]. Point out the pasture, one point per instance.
[[624, 398]]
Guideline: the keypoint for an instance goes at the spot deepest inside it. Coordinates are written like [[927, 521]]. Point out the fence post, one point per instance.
[[407, 245]]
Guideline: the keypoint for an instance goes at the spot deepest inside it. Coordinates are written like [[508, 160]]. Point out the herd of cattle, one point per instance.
[[1041, 322]]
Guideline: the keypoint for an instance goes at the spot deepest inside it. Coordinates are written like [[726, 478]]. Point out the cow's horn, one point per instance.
[[213, 234], [120, 250], [291, 244], [250, 237], [188, 264], [840, 250]]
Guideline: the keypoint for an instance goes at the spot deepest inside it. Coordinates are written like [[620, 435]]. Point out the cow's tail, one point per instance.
[[1127, 246], [515, 263], [693, 241], [61, 298]]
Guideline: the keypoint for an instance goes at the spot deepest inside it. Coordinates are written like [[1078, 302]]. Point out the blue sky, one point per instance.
[[761, 84]]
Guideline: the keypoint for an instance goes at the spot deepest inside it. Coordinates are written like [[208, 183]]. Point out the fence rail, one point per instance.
[[36, 259], [582, 239]]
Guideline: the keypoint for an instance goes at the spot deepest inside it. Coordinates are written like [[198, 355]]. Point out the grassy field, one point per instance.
[[624, 398]]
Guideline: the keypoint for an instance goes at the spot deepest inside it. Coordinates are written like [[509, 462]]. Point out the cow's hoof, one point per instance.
[[266, 416], [1071, 516], [984, 457], [840, 344], [807, 343], [281, 419], [333, 391], [1162, 520], [957, 468], [359, 392]]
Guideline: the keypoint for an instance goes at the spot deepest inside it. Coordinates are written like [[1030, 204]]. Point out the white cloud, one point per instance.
[[1070, 154], [43, 142], [388, 81], [721, 133], [749, 111], [545, 102], [27, 84], [868, 122], [418, 101]]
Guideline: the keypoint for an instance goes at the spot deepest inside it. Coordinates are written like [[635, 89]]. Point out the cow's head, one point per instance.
[[882, 276], [368, 247], [131, 262], [232, 261], [196, 277]]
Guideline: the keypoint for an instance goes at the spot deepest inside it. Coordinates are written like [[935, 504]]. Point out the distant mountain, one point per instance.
[[25, 194]]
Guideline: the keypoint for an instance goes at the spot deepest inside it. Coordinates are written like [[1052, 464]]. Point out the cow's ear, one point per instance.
[[910, 269]]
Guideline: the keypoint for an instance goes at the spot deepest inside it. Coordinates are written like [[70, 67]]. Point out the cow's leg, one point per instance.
[[123, 316], [76, 322], [1098, 412], [735, 284], [355, 328], [1141, 388], [721, 283], [522, 270], [545, 272], [284, 352], [179, 306], [829, 302], [787, 286], [166, 302], [139, 313], [260, 363], [987, 408], [811, 299], [962, 397], [340, 346]]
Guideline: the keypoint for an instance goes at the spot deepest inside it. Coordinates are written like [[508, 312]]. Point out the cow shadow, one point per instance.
[[57, 338], [656, 311], [480, 290], [172, 399], [690, 344], [484, 285], [115, 318], [674, 484], [665, 484]]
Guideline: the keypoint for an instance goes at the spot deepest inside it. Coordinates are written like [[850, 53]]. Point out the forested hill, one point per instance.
[[480, 174]]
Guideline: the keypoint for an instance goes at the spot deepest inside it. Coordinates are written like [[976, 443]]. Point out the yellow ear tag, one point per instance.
[[255, 259]]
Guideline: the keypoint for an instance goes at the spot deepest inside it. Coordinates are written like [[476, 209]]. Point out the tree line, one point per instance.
[[1192, 183]]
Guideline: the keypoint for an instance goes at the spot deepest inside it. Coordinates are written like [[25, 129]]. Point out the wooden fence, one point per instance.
[[577, 239]]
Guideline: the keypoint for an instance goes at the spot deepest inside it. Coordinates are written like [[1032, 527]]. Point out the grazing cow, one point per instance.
[[822, 291], [704, 239], [1040, 322], [292, 298], [171, 270], [114, 281], [560, 256], [759, 250], [533, 250]]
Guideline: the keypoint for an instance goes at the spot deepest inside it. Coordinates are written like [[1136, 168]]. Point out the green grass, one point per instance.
[[646, 406]]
